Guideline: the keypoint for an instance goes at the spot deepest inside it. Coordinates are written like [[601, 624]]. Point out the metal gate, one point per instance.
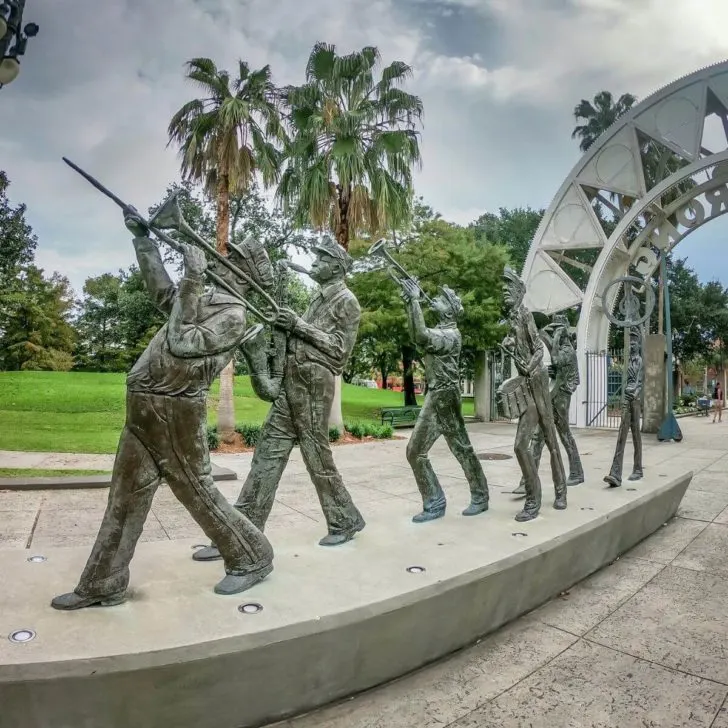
[[501, 368], [604, 388]]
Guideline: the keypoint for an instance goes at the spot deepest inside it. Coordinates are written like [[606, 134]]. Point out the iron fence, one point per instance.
[[604, 388]]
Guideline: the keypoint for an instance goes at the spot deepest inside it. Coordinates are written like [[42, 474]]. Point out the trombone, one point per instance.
[[379, 249], [169, 217]]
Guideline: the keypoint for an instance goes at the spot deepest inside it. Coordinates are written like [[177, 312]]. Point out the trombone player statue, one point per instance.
[[165, 435], [527, 396], [441, 413]]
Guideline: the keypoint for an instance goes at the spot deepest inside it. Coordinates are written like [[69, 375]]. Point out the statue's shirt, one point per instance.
[[188, 353], [442, 357], [525, 335]]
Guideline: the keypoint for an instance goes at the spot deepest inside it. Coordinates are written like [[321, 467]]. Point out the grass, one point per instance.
[[47, 473], [84, 412]]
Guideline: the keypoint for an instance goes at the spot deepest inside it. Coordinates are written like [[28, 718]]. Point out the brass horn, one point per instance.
[[169, 217], [379, 249]]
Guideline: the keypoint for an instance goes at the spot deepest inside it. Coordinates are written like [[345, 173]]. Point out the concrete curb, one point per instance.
[[86, 481]]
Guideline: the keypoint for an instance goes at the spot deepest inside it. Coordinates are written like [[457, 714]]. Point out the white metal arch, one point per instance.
[[675, 118]]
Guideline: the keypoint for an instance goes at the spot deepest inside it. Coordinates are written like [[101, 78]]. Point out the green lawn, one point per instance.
[[47, 473], [84, 412]]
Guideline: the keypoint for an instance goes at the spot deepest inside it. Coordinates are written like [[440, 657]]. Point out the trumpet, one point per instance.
[[169, 217], [379, 249]]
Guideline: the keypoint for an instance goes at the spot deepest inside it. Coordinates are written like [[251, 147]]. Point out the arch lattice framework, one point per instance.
[[660, 172]]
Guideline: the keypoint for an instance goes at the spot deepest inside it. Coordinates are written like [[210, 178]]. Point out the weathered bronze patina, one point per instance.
[[165, 435]]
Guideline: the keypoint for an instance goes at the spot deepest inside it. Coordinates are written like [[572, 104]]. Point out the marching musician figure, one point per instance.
[[441, 413], [165, 435], [564, 371], [318, 347], [630, 415], [526, 348]]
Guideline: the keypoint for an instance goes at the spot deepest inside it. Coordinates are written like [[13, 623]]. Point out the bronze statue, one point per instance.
[[527, 396], [631, 408], [165, 435], [564, 373], [442, 411], [318, 347]]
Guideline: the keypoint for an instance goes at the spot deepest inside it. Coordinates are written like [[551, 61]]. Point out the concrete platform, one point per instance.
[[334, 621], [75, 482]]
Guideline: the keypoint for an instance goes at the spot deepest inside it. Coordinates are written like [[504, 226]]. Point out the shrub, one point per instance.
[[386, 432], [213, 439], [334, 434], [356, 430], [249, 432]]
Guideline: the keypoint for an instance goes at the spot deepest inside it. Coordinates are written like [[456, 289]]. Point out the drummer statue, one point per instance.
[[564, 374], [527, 396], [630, 415]]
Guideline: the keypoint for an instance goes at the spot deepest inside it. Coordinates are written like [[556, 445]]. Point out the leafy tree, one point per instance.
[[35, 332], [225, 138], [353, 145], [514, 229], [18, 243]]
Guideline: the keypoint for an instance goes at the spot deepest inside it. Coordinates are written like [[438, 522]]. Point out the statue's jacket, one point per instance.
[[326, 333], [194, 346], [441, 346]]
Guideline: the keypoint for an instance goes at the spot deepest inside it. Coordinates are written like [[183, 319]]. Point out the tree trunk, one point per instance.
[[226, 405], [342, 229], [384, 371], [408, 376], [336, 418]]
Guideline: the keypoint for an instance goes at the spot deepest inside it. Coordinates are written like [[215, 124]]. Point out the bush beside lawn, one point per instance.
[[84, 412]]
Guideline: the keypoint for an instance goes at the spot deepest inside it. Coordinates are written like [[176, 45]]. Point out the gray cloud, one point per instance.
[[498, 79]]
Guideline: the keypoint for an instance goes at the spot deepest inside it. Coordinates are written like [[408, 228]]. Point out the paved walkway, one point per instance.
[[643, 642]]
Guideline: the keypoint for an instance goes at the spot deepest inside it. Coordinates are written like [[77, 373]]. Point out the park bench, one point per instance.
[[400, 416]]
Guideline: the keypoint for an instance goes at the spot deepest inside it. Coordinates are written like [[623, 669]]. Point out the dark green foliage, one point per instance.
[[213, 439], [334, 434], [250, 432]]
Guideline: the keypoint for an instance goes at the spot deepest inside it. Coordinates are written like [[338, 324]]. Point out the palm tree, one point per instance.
[[225, 138], [598, 116], [353, 146]]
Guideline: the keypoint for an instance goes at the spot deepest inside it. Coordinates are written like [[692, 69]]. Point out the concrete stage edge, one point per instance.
[[334, 621]]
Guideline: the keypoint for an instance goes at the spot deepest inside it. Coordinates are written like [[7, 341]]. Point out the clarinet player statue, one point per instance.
[[526, 396]]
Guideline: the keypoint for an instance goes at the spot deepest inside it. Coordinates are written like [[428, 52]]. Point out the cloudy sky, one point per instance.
[[498, 78]]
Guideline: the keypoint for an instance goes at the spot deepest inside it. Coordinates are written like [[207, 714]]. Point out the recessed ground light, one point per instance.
[[37, 559], [631, 488], [587, 508], [21, 635], [416, 569], [250, 608], [494, 456], [518, 534]]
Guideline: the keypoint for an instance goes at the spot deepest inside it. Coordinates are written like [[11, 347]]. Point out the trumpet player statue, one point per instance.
[[441, 413], [165, 435], [318, 346], [630, 415], [564, 373], [530, 394]]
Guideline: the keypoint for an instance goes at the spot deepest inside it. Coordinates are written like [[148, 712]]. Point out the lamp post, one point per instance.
[[13, 38]]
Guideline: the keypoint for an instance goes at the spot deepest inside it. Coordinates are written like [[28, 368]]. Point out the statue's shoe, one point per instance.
[[560, 503], [234, 584], [336, 539], [475, 508], [527, 514], [636, 475], [613, 481], [428, 516], [207, 553], [577, 479], [67, 602]]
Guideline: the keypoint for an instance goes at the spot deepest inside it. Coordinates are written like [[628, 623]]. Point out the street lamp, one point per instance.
[[13, 40]]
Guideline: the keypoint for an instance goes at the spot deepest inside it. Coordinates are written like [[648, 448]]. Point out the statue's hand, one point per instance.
[[134, 224], [194, 261], [286, 319], [410, 290]]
